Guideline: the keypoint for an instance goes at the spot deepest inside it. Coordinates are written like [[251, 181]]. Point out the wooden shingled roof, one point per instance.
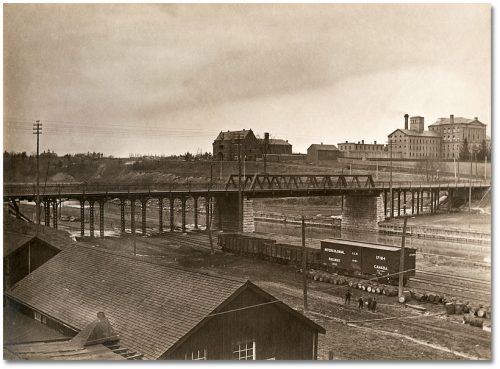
[[150, 306]]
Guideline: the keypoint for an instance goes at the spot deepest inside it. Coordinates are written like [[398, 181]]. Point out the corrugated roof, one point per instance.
[[233, 135], [323, 147], [150, 306], [456, 120], [409, 132]]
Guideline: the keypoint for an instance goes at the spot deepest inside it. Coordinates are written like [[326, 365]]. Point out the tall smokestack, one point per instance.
[[406, 121], [452, 119]]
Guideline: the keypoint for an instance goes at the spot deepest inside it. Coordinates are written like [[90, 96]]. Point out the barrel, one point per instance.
[[476, 322], [481, 313], [418, 296], [450, 308], [459, 308], [378, 290], [467, 318], [488, 313], [430, 297], [369, 288], [351, 284]]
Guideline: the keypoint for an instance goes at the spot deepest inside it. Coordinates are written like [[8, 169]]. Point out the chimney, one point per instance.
[[452, 119], [406, 121], [475, 118], [363, 142], [346, 141], [322, 143], [374, 142]]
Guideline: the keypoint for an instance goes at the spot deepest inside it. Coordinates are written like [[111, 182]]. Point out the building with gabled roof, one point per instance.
[[166, 312], [227, 145], [455, 130], [319, 152]]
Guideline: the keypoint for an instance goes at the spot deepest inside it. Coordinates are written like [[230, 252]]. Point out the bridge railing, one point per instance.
[[29, 189]]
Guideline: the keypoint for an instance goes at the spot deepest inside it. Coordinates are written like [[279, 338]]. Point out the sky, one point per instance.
[[167, 78]]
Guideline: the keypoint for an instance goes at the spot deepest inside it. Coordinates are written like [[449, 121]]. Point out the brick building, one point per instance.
[[165, 312], [414, 143], [454, 130], [225, 146]]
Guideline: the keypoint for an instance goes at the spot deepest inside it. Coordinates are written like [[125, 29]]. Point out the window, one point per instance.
[[244, 350], [41, 318], [196, 355]]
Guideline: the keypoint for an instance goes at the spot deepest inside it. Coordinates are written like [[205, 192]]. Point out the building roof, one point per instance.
[[233, 135], [456, 120], [410, 132], [17, 233], [151, 306], [324, 147], [275, 141], [58, 350]]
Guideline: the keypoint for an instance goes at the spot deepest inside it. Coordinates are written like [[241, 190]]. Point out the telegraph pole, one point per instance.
[[266, 142], [304, 263], [470, 183], [37, 130], [240, 200], [390, 180], [402, 260]]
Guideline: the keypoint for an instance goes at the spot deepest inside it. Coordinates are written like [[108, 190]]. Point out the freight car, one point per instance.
[[360, 259], [354, 258]]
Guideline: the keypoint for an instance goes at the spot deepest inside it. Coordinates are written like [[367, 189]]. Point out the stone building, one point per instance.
[[454, 130], [276, 146], [414, 143], [362, 150]]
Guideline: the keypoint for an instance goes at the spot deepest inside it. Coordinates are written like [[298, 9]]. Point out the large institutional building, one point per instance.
[[454, 131], [444, 138]]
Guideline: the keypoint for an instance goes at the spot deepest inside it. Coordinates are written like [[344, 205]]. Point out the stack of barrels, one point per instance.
[[472, 314], [322, 276]]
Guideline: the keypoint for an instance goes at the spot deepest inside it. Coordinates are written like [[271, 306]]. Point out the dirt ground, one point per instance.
[[463, 221], [403, 333]]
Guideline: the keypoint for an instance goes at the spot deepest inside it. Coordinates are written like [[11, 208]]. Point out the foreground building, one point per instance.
[[164, 312]]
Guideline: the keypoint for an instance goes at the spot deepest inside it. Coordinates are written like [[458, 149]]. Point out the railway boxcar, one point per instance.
[[363, 258]]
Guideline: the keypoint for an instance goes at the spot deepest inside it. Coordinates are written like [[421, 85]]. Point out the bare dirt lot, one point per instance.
[[399, 332]]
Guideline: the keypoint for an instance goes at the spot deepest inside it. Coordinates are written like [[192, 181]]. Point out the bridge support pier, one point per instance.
[[46, 207], [160, 215], [82, 218], [399, 203], [91, 217], [132, 216], [144, 202], [195, 210], [122, 216], [450, 199], [412, 202], [404, 202], [385, 203], [226, 208], [392, 205], [101, 218], [183, 203], [172, 214], [422, 201], [362, 212], [54, 214], [207, 212]]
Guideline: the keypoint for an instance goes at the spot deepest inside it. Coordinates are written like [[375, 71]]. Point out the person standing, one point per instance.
[[374, 304], [347, 297], [360, 303], [370, 301]]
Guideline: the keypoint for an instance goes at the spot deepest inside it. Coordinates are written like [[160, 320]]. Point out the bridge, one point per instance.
[[365, 202]]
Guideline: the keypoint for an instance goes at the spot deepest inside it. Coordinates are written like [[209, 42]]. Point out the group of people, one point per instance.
[[372, 301]]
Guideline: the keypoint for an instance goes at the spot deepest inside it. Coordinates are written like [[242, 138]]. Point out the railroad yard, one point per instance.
[[408, 333]]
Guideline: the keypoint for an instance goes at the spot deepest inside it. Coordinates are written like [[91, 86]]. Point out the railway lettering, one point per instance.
[[380, 267], [335, 251], [334, 259], [380, 257]]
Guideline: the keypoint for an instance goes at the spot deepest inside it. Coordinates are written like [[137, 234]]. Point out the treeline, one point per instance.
[[468, 152]]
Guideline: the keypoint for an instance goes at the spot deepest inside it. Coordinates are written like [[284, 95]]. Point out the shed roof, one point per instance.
[[324, 147], [151, 306], [17, 233]]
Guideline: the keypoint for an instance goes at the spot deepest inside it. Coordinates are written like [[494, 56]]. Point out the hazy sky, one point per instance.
[[166, 78]]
